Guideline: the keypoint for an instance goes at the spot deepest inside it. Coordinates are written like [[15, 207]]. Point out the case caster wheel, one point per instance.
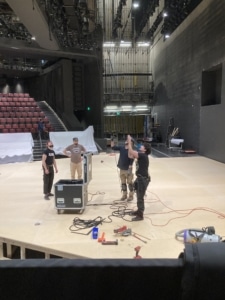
[[58, 211], [81, 211]]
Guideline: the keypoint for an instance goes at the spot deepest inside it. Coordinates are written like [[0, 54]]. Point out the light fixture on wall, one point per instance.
[[143, 44], [143, 107], [126, 108], [108, 45], [110, 108], [125, 44]]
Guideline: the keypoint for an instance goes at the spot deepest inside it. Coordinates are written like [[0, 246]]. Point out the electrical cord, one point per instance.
[[97, 193], [79, 224], [182, 213], [120, 210]]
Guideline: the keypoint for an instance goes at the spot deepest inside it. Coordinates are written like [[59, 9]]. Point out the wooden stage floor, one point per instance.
[[185, 192]]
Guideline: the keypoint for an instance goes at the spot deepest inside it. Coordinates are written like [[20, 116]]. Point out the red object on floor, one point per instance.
[[121, 229], [137, 249]]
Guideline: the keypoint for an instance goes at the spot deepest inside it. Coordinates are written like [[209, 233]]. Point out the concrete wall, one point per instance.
[[177, 63]]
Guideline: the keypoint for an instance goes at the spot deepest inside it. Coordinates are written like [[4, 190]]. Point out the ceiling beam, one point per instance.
[[31, 16], [20, 48]]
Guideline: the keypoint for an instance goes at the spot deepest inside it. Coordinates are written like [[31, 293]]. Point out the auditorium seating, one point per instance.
[[20, 113]]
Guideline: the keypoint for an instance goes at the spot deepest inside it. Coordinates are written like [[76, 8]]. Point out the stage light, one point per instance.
[[135, 5]]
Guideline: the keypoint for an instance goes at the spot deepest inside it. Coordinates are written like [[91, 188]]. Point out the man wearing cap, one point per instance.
[[74, 151]]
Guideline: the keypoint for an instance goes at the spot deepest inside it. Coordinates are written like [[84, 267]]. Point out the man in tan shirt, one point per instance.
[[74, 151]]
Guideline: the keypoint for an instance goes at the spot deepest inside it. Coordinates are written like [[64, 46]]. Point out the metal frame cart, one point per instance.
[[175, 144], [73, 194]]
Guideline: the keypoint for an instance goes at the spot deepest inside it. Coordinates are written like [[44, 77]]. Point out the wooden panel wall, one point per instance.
[[124, 124]]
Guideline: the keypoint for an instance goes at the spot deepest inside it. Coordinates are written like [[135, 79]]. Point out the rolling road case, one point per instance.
[[72, 194]]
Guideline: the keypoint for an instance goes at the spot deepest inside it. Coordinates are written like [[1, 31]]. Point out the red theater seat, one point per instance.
[[15, 120], [2, 120], [18, 114], [22, 120], [9, 120], [15, 126], [33, 130], [29, 126], [28, 120]]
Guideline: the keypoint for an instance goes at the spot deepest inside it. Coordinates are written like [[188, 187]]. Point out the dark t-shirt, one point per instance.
[[124, 161], [50, 156], [142, 165]]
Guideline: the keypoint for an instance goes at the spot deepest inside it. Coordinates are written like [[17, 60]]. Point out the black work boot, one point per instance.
[[124, 197], [134, 213], [138, 216], [131, 196]]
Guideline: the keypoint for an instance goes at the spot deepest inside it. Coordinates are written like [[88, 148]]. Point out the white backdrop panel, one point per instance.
[[16, 147], [63, 139]]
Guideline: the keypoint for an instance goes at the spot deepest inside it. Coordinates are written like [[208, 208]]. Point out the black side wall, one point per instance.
[[70, 87], [198, 44]]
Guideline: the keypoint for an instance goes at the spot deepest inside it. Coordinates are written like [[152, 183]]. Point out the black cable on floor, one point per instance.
[[80, 224]]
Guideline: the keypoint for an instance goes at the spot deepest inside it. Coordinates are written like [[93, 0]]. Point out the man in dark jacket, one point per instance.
[[143, 178], [48, 165]]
